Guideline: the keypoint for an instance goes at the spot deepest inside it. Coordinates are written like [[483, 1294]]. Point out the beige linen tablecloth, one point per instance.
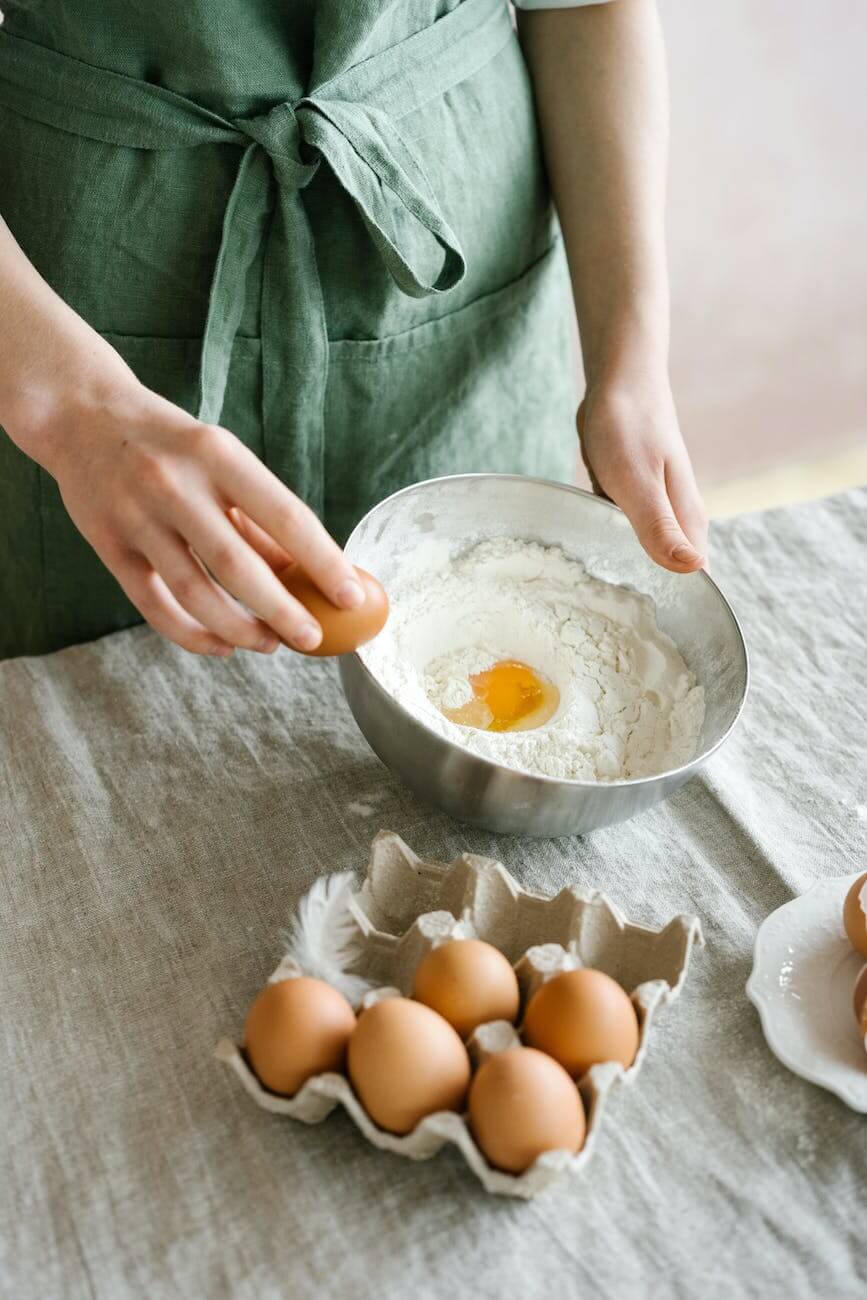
[[159, 817]]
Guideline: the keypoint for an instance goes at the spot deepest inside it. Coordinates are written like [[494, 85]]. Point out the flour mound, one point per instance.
[[629, 706]]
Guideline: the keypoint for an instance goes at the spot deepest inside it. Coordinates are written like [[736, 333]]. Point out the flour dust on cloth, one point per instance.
[[629, 706]]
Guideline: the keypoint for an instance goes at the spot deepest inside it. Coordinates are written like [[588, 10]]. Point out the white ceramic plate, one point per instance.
[[803, 977]]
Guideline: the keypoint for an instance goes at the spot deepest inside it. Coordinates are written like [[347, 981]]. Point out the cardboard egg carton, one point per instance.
[[406, 906]]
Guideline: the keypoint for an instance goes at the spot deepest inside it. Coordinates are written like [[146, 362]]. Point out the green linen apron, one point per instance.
[[324, 225]]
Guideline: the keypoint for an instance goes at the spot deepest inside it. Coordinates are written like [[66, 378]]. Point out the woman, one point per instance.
[[263, 264]]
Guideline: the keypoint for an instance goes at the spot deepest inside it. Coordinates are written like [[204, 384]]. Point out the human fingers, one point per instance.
[[271, 552], [643, 497], [152, 598], [243, 572], [196, 592], [284, 517], [686, 500]]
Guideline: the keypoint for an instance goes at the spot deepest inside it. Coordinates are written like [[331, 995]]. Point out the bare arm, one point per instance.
[[601, 92], [163, 499]]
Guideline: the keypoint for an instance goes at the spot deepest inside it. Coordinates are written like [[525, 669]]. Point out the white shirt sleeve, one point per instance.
[[555, 4]]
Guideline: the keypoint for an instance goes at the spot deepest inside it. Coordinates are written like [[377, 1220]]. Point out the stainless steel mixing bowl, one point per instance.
[[467, 508]]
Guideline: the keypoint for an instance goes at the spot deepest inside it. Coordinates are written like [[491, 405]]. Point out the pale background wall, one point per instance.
[[768, 233]]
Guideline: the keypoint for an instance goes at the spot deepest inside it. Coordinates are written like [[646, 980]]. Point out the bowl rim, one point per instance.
[[697, 760]]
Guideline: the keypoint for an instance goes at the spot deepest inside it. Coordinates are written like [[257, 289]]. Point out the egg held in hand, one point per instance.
[[582, 1018], [297, 1028], [468, 982], [855, 915], [521, 1104], [343, 630], [406, 1062]]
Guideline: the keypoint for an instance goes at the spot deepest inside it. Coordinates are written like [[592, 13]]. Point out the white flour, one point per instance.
[[629, 705]]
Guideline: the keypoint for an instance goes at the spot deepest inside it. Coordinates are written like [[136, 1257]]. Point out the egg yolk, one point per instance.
[[508, 696]]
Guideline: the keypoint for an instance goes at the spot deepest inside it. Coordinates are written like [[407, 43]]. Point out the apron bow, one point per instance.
[[379, 171]]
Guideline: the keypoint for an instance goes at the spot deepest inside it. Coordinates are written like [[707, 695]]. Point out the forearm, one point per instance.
[[49, 356], [601, 92]]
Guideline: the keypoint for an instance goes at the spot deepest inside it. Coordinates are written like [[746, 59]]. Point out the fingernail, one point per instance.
[[307, 637], [350, 594], [222, 651], [685, 554], [267, 645]]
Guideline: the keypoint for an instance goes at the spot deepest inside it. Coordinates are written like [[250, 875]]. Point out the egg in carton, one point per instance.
[[406, 907]]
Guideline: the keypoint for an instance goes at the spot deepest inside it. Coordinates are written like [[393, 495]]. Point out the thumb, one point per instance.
[[591, 473], [648, 509]]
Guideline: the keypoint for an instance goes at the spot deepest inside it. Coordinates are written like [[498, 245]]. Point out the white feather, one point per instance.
[[323, 937]]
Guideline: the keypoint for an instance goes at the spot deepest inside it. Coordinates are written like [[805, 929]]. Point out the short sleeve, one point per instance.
[[556, 4]]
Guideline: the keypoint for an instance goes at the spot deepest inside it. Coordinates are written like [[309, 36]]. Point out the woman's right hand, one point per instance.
[[186, 517]]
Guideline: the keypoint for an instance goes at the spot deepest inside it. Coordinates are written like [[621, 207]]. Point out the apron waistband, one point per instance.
[[350, 121]]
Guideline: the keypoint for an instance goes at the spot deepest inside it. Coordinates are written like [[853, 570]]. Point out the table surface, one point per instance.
[[159, 817]]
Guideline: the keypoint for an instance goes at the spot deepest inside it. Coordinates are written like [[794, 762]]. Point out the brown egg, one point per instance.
[[521, 1104], [582, 1017], [406, 1062], [467, 982], [343, 630], [860, 1003], [297, 1028], [855, 915]]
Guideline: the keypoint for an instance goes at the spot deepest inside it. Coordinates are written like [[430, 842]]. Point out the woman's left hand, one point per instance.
[[634, 452]]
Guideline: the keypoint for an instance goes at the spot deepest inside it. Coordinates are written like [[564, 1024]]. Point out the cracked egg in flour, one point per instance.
[[515, 652]]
